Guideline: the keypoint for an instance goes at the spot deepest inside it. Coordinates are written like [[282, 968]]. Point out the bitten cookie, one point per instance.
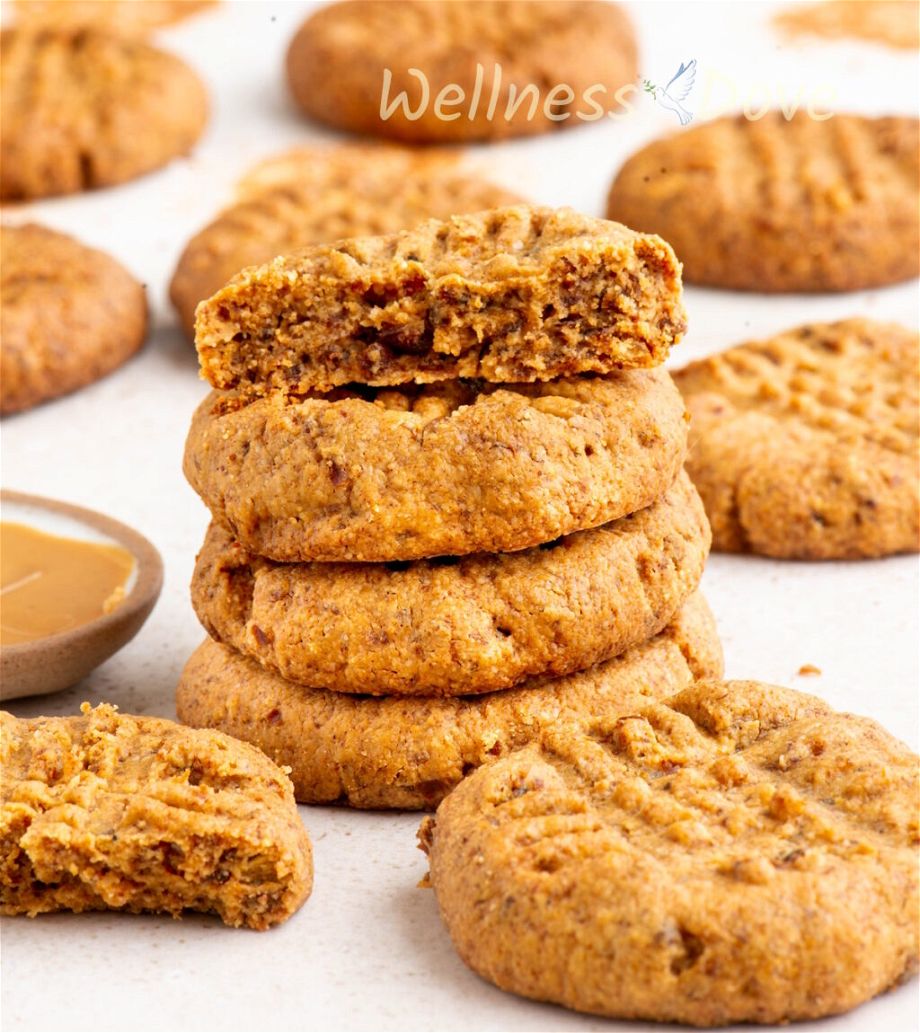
[[129, 17], [319, 194], [509, 295], [84, 108], [112, 812], [68, 315], [442, 470], [805, 445], [506, 67], [738, 853], [777, 205], [408, 753], [458, 626]]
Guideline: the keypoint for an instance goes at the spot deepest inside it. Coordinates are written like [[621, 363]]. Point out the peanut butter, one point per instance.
[[50, 584]]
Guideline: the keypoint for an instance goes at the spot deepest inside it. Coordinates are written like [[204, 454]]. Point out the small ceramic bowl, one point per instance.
[[58, 661]]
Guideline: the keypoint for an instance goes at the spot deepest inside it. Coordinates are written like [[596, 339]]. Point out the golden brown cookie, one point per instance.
[[83, 108], [402, 752], [457, 626], [112, 812], [738, 853], [441, 470], [509, 67], [68, 315], [128, 17], [509, 295], [805, 445], [895, 23], [777, 205], [319, 194]]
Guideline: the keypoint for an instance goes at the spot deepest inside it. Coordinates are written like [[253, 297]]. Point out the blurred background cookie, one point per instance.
[[129, 17], [315, 195], [69, 315], [895, 23], [475, 51], [781, 205], [804, 446], [84, 109]]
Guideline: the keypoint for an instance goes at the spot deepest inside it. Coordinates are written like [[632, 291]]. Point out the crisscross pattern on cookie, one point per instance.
[[84, 109], [739, 852]]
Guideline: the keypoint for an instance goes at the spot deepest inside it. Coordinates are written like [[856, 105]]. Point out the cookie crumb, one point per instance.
[[809, 670]]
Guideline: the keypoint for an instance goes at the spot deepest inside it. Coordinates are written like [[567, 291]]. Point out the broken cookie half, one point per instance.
[[112, 812], [509, 295]]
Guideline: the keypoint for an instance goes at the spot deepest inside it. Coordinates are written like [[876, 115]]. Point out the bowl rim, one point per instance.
[[147, 583]]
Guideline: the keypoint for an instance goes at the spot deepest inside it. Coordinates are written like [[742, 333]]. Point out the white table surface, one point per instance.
[[367, 951]]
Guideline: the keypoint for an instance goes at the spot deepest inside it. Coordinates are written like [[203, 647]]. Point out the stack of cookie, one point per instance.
[[445, 472]]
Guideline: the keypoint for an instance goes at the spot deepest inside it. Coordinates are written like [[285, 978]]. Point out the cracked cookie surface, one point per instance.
[[112, 812], [440, 470], [737, 853], [68, 315], [514, 294], [84, 109], [315, 195], [457, 626], [562, 50], [805, 445], [777, 205], [409, 752]]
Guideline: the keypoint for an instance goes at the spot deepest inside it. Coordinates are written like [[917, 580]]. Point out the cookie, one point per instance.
[[805, 445], [319, 194], [408, 753], [112, 812], [68, 315], [128, 17], [776, 205], [512, 294], [457, 626], [895, 23], [480, 70], [84, 108], [738, 853], [441, 470]]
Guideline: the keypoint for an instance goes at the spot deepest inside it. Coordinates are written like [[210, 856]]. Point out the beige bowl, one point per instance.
[[58, 661]]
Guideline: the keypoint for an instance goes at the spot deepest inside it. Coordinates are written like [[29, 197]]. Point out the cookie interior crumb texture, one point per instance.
[[739, 853], [513, 294], [108, 811]]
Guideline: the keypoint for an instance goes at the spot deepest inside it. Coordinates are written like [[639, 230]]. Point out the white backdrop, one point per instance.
[[368, 952]]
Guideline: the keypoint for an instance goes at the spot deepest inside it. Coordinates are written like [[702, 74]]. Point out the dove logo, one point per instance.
[[672, 96]]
